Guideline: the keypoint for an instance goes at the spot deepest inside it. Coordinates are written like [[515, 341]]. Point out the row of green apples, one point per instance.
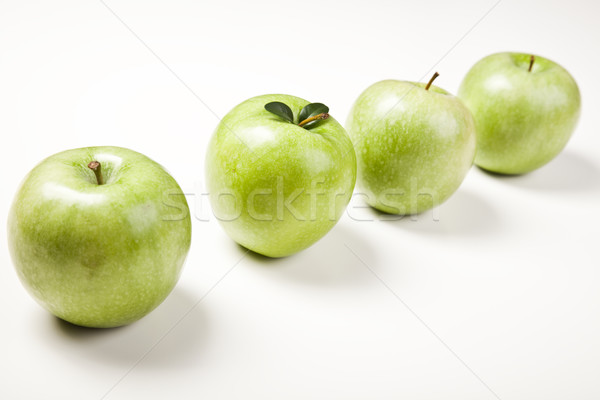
[[99, 235]]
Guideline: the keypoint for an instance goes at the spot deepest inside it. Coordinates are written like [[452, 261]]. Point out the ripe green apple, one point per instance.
[[525, 109], [276, 186], [414, 144], [99, 235]]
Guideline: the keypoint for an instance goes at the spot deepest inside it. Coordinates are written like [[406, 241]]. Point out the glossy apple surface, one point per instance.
[[99, 255], [276, 187], [413, 146], [523, 118]]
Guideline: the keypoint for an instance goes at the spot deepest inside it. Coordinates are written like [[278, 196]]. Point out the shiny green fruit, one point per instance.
[[414, 146], [277, 187], [99, 255], [525, 110]]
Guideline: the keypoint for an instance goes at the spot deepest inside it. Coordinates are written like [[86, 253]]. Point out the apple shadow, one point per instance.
[[463, 214], [568, 172], [170, 336], [329, 262]]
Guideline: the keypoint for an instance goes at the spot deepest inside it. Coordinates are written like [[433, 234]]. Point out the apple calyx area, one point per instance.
[[531, 61], [97, 168], [435, 75], [308, 117]]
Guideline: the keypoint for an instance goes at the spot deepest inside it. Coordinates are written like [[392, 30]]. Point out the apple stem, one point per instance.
[[314, 118], [97, 168], [531, 61], [431, 81]]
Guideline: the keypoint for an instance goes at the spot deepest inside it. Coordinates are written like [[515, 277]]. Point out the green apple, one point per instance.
[[99, 235], [280, 173], [414, 145], [525, 109]]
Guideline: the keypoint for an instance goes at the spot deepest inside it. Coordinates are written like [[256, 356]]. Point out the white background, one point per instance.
[[499, 299]]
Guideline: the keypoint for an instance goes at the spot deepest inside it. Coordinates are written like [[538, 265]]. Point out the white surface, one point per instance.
[[506, 281]]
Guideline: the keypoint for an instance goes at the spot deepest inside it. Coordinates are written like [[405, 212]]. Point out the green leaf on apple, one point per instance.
[[280, 109], [309, 116], [312, 110]]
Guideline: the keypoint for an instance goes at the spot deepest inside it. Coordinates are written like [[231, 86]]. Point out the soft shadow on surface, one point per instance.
[[328, 262], [171, 335], [568, 172], [463, 214]]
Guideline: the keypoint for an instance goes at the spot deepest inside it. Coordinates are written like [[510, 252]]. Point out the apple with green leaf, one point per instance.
[[280, 172], [99, 235], [414, 145], [525, 108]]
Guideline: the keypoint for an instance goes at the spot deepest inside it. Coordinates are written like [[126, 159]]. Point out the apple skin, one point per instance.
[[256, 162], [523, 119], [99, 255], [414, 147]]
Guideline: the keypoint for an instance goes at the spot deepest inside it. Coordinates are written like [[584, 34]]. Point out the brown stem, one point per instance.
[[431, 81], [314, 118], [97, 168], [531, 61]]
